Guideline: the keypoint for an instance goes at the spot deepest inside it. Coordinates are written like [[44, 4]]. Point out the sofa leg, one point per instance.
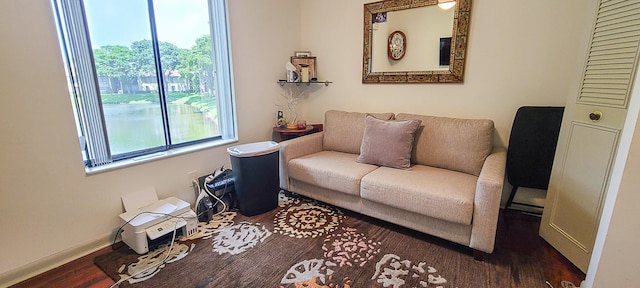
[[479, 255]]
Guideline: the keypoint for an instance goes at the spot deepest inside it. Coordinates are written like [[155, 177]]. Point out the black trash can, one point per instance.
[[256, 172]]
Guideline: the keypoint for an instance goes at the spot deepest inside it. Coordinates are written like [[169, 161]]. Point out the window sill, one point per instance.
[[157, 156]]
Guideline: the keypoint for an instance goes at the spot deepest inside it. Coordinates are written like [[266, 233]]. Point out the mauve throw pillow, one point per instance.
[[388, 142]]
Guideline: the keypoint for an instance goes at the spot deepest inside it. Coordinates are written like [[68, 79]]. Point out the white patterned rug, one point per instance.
[[301, 243]]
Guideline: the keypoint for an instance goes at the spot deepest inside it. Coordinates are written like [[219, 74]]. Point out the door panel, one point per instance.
[[579, 181], [589, 135], [585, 173]]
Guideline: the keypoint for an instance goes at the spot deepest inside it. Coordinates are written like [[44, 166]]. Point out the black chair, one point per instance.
[[532, 146]]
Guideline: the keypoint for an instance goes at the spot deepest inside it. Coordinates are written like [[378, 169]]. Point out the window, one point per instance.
[[146, 75]]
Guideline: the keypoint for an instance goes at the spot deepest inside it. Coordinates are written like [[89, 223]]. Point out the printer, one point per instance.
[[149, 222]]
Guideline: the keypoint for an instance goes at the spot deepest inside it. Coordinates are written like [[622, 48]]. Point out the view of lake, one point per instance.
[[133, 127]]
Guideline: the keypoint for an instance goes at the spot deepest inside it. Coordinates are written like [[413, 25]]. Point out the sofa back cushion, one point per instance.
[[455, 144], [343, 131]]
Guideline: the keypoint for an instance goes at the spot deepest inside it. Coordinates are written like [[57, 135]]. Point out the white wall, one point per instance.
[[520, 53], [50, 210]]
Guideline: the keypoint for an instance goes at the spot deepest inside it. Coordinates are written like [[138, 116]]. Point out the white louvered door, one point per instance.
[[590, 132]]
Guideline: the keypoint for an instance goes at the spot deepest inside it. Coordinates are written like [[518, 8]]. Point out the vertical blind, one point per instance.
[[84, 81]]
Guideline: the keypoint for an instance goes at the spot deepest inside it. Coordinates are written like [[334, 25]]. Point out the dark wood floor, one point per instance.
[[78, 273], [517, 232]]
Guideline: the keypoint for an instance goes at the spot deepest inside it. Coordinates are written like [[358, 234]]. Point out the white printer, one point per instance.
[[149, 222]]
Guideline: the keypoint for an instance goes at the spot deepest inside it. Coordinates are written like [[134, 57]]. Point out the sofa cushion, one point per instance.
[[332, 170], [343, 130], [457, 144], [434, 192], [387, 142]]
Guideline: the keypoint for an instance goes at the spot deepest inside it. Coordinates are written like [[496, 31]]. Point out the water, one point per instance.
[[133, 127]]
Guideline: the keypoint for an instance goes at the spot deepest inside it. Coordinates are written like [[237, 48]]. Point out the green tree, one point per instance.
[[126, 67], [142, 55], [169, 59], [115, 63], [196, 65], [169, 56]]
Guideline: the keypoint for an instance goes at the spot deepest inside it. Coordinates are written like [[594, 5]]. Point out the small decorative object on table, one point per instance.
[[281, 122], [289, 99]]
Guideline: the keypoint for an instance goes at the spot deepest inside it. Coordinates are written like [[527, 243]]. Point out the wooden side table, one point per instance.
[[286, 134]]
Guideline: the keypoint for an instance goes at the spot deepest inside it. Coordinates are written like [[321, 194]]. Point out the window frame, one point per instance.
[[85, 92]]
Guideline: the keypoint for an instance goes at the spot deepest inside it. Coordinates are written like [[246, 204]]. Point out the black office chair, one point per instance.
[[532, 146]]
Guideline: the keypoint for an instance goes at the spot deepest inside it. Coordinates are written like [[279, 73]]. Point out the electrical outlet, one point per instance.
[[193, 175]]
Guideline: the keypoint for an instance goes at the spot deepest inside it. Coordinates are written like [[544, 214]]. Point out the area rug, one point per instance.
[[304, 243]]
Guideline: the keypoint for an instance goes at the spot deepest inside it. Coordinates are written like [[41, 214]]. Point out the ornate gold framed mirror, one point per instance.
[[435, 38]]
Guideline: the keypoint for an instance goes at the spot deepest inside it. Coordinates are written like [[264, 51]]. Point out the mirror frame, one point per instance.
[[459, 38]]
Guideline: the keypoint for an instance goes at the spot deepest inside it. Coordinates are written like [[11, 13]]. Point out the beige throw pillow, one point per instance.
[[388, 142]]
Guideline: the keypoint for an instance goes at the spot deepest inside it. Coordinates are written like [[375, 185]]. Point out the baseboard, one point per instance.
[[45, 264]]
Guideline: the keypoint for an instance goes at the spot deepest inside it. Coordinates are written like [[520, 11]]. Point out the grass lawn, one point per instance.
[[204, 102]]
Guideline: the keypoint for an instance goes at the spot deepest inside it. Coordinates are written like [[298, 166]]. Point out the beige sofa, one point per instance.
[[451, 188]]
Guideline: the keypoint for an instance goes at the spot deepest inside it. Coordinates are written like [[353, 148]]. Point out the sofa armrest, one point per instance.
[[487, 201], [295, 148]]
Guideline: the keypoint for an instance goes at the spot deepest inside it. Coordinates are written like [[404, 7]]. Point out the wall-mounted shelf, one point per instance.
[[283, 82]]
